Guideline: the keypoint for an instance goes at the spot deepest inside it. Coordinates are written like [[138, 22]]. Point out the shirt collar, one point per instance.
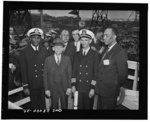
[[34, 48], [86, 51], [57, 56], [109, 48]]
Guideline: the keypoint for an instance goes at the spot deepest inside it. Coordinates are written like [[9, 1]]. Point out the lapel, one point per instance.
[[53, 59], [110, 53], [67, 48]]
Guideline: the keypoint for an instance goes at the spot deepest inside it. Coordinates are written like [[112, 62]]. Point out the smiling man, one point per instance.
[[32, 63]]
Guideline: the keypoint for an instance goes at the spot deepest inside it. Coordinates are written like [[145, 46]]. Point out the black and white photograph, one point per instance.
[[71, 60]]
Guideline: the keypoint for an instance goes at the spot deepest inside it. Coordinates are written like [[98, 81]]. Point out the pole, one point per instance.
[[41, 16]]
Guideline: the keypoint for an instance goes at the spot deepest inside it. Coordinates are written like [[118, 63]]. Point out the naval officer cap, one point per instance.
[[35, 31], [84, 33]]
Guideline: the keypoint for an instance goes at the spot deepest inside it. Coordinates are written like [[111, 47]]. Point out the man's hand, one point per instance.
[[68, 92], [91, 93], [47, 93], [26, 91], [73, 89]]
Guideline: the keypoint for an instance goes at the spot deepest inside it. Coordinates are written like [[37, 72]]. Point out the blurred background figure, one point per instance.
[[12, 38], [98, 44], [14, 80], [69, 48], [76, 39], [47, 44], [53, 34]]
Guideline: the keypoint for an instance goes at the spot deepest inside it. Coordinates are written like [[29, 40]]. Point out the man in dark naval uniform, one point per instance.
[[32, 63], [84, 75]]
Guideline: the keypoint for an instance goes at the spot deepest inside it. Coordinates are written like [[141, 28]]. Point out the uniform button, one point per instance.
[[80, 73], [36, 76], [35, 65], [86, 66], [86, 73], [80, 65], [42, 64], [80, 80], [35, 70], [87, 81]]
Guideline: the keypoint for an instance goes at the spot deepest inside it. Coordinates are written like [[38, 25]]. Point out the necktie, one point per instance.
[[105, 53], [58, 60], [36, 49]]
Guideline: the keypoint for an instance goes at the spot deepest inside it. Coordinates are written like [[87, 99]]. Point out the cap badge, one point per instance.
[[36, 30], [83, 31]]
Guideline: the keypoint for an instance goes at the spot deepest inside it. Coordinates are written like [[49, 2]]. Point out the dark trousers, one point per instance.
[[37, 97], [84, 102], [105, 103], [59, 93]]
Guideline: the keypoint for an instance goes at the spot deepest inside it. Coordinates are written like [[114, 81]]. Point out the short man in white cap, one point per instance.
[[32, 63], [84, 75]]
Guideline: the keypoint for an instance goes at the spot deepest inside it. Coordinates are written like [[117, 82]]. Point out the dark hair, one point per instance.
[[114, 30], [98, 30]]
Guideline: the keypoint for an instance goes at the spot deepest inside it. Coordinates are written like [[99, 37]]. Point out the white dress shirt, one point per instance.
[[57, 57], [85, 51], [34, 48]]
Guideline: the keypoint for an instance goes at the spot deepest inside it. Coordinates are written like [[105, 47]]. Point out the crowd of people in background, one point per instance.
[[56, 65]]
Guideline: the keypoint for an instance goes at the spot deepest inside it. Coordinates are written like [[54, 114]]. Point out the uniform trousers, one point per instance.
[[57, 94], [37, 97], [106, 102], [84, 102]]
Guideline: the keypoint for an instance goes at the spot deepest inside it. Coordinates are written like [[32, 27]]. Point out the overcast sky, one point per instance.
[[86, 14]]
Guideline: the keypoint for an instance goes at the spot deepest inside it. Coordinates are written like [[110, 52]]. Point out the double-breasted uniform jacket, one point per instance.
[[32, 64], [54, 73], [112, 72], [85, 70]]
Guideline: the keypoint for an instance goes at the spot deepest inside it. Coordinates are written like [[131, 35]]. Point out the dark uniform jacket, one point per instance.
[[112, 72], [85, 70], [32, 64], [54, 74]]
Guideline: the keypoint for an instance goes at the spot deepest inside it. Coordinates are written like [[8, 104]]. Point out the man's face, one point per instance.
[[35, 40], [108, 37], [75, 36], [85, 42], [99, 36], [65, 36], [58, 49], [46, 44]]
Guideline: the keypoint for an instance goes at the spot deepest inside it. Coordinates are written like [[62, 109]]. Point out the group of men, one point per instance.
[[73, 66]]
